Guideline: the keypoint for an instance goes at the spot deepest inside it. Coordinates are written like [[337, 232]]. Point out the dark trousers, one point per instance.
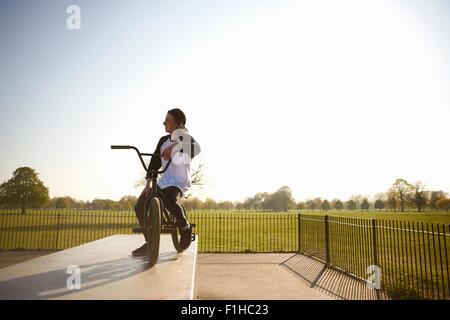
[[170, 197]]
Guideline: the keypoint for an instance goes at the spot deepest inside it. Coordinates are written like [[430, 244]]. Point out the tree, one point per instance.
[[365, 204], [280, 200], [379, 204], [381, 195], [357, 199], [402, 188], [351, 205], [380, 200], [284, 199], [63, 202], [24, 189], [258, 199], [419, 195], [127, 202], [318, 202], [325, 205], [311, 205], [392, 199], [338, 205], [249, 203], [225, 205], [300, 206], [210, 204], [435, 196], [443, 204]]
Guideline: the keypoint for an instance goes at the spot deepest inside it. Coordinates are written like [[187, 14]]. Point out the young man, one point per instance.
[[176, 180]]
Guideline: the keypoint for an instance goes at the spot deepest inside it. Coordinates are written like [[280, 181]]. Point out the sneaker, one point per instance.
[[141, 251], [185, 236]]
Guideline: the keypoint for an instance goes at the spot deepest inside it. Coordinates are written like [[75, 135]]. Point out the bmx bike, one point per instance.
[[157, 219]]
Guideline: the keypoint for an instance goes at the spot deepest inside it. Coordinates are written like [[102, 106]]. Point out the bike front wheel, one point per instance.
[[153, 229]]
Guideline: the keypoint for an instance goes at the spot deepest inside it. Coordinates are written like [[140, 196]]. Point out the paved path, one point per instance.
[[274, 276], [251, 276]]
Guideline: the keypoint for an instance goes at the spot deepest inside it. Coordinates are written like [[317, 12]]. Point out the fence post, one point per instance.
[[327, 240], [57, 232], [375, 257], [299, 239], [374, 242]]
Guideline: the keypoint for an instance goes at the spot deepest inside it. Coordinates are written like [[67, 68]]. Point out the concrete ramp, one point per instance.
[[106, 270]]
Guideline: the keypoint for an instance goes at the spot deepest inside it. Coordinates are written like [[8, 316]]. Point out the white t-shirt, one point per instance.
[[178, 173]]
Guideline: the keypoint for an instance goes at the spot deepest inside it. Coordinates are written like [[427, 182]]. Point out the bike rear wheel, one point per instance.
[[153, 229]]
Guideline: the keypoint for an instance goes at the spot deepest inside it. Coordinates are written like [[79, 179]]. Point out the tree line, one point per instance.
[[401, 196], [25, 190]]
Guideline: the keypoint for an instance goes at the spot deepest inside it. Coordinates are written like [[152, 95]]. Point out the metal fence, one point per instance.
[[412, 256], [60, 229], [218, 231]]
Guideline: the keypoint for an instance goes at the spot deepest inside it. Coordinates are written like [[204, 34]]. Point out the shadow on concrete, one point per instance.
[[331, 281], [53, 284]]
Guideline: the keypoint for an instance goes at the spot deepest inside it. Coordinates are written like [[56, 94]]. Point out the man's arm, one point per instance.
[[155, 162]]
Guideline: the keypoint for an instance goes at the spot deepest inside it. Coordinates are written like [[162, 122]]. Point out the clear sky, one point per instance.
[[332, 98]]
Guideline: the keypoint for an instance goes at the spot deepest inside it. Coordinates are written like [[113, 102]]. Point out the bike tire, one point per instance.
[[176, 240], [154, 230]]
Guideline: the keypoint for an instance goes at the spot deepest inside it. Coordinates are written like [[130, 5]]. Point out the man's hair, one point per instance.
[[179, 116]]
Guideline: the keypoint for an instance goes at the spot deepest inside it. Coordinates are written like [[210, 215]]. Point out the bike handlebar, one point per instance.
[[142, 154], [120, 147]]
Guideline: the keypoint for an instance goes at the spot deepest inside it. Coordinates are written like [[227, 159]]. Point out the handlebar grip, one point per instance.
[[120, 147]]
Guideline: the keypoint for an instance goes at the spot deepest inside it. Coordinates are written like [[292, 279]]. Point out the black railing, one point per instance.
[[410, 257], [246, 232], [218, 232], [60, 229]]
